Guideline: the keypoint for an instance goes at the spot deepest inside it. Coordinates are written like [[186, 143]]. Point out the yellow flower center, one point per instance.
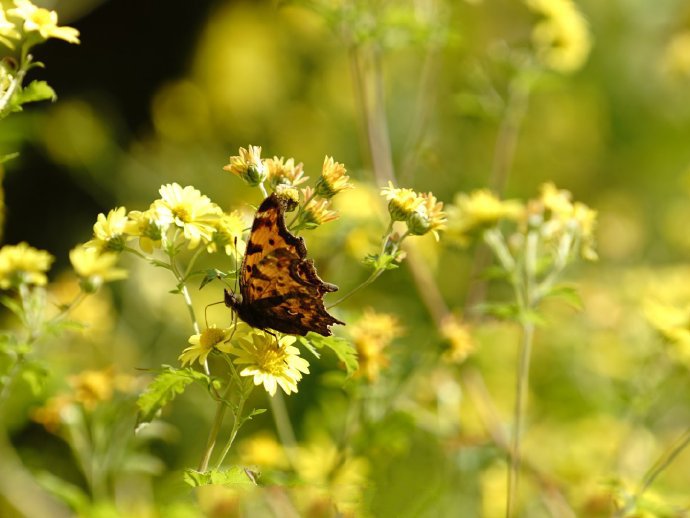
[[272, 360], [210, 337]]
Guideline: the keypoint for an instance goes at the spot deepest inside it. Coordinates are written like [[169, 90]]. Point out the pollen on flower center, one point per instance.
[[211, 336], [272, 360]]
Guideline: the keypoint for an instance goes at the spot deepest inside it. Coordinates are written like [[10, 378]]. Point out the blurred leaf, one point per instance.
[[8, 157], [495, 272], [71, 494], [381, 262], [35, 375], [308, 345], [165, 387], [235, 475], [344, 350], [14, 306], [566, 292], [33, 92], [211, 275]]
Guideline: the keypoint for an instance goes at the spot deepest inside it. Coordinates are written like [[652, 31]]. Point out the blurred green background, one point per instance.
[[161, 92]]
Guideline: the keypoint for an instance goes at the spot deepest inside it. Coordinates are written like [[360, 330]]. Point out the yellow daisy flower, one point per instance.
[[95, 267], [333, 179], [148, 227], [109, 232], [228, 235], [23, 264], [429, 217], [372, 335], [402, 203], [316, 212], [280, 172], [269, 363], [460, 341], [188, 209], [248, 166], [43, 21], [93, 386], [481, 209], [203, 343]]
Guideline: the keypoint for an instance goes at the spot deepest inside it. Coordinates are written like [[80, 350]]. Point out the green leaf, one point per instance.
[[35, 375], [211, 275], [343, 349], [35, 91], [71, 494], [234, 476], [256, 411], [567, 293], [165, 387], [308, 345], [495, 272], [381, 262], [14, 306]]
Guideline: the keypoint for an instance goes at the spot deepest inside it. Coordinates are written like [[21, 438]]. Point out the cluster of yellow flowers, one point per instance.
[[270, 361], [422, 213], [34, 22], [283, 176], [372, 334]]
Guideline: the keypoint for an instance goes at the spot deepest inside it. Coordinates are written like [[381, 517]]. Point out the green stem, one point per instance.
[[283, 424], [215, 429], [300, 211], [522, 384], [663, 462], [238, 421]]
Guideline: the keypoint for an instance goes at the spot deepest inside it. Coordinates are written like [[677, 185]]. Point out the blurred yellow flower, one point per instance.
[[92, 387], [147, 227], [95, 267], [7, 30], [109, 232], [269, 363], [676, 59], [481, 209], [203, 343], [562, 40], [372, 334], [402, 203], [459, 338], [23, 264], [52, 414], [279, 172], [43, 21], [263, 450], [228, 235], [333, 179], [188, 209], [315, 211], [672, 322], [248, 166]]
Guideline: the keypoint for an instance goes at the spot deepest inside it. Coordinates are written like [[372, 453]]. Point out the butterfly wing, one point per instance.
[[279, 285]]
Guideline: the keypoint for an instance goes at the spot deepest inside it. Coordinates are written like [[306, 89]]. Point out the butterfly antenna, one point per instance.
[[206, 310], [237, 273]]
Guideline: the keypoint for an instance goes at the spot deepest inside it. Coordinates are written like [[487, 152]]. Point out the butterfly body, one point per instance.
[[279, 286]]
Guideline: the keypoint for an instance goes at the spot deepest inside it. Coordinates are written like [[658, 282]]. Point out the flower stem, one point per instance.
[[283, 424], [215, 429], [238, 421]]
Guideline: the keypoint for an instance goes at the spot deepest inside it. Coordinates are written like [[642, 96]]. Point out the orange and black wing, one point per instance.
[[279, 285]]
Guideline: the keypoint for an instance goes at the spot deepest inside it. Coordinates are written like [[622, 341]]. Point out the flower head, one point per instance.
[[95, 267], [372, 335], [248, 166], [561, 39], [203, 343], [282, 172], [263, 450], [148, 227], [459, 339], [269, 363], [7, 30], [109, 232], [333, 179], [42, 21], [23, 264], [481, 209], [315, 212], [402, 203], [228, 235], [188, 209], [429, 217], [93, 386]]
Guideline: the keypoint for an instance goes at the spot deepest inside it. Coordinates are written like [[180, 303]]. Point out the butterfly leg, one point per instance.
[[274, 336]]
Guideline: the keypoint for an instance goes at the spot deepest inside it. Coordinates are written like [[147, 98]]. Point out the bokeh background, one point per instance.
[[161, 92]]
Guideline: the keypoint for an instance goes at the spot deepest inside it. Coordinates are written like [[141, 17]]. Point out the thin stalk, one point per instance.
[[521, 386], [215, 429], [237, 422], [283, 424], [663, 462]]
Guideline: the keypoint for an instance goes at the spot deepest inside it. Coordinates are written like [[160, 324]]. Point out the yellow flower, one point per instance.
[[95, 267], [23, 264], [52, 414], [561, 39], [676, 59], [459, 338], [248, 166], [7, 30], [281, 172], [586, 218], [43, 21], [203, 343], [315, 211], [333, 179], [429, 217], [148, 227], [481, 209], [188, 209], [372, 335], [558, 201], [271, 364], [228, 235], [93, 386], [110, 231], [264, 451], [402, 203]]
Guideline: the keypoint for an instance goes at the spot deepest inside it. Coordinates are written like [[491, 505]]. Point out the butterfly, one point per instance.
[[279, 286]]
